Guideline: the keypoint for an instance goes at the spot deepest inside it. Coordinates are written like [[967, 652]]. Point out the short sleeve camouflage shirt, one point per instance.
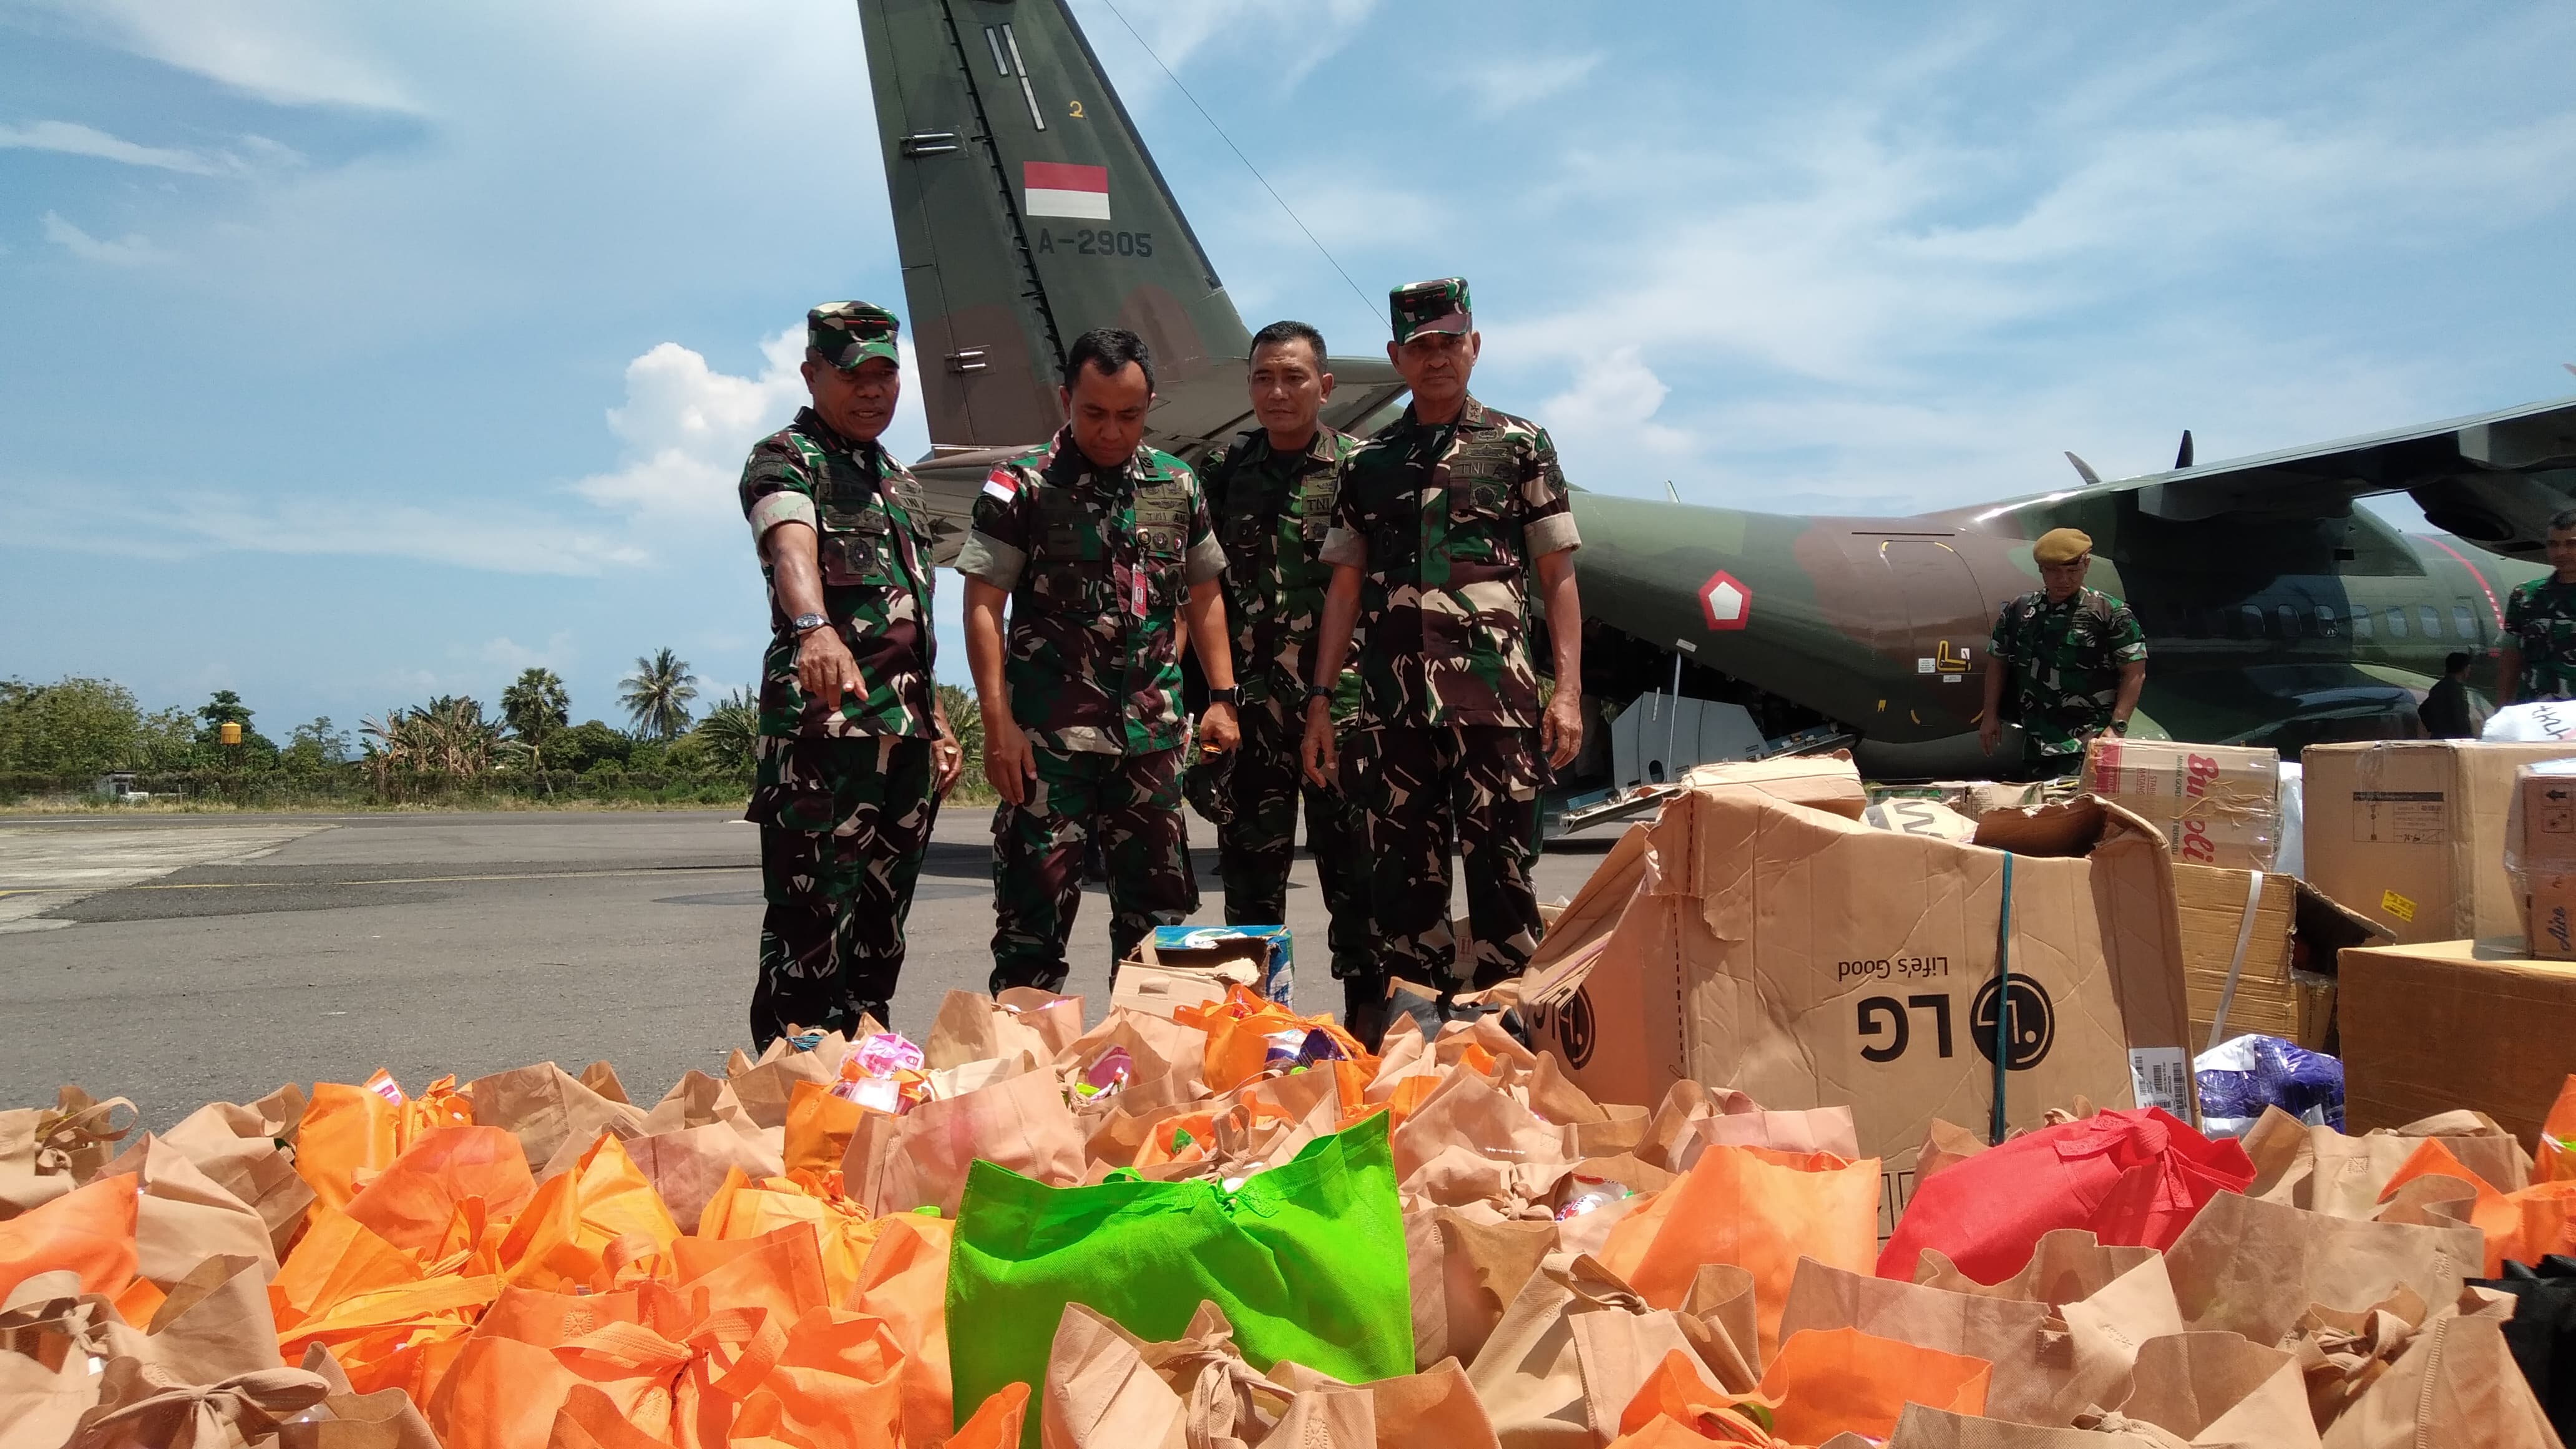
[[2540, 618], [1271, 510], [1444, 521], [873, 544], [1097, 563], [2066, 662]]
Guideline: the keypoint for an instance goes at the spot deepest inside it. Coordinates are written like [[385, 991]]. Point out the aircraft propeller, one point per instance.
[[2084, 471], [2182, 455]]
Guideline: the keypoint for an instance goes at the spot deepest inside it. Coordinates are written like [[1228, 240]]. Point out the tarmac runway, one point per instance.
[[177, 960]]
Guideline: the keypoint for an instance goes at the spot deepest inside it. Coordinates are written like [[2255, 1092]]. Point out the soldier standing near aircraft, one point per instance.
[[1440, 520], [1271, 494], [1103, 549], [2074, 657], [854, 752], [2538, 660]]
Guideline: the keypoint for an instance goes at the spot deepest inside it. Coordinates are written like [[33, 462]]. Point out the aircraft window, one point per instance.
[[2397, 621], [2325, 621], [2463, 623], [2431, 620], [2361, 623], [2249, 622], [2289, 621]]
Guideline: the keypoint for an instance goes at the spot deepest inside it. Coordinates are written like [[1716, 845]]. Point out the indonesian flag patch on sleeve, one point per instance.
[[1000, 486]]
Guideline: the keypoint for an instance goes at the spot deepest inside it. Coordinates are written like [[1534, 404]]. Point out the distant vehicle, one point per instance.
[[1027, 210], [118, 786]]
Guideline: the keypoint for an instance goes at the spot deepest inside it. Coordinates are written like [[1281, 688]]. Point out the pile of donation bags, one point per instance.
[[1236, 1227]]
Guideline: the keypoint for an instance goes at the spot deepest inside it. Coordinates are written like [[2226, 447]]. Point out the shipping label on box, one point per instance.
[[2400, 817]]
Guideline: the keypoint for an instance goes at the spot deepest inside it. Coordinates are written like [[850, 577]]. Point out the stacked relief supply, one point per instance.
[[2540, 856], [2412, 833], [1814, 960], [2218, 805]]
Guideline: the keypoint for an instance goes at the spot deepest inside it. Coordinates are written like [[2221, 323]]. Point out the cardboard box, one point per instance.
[[1178, 966], [1826, 782], [1920, 817], [2216, 804], [1811, 960], [2285, 986], [2540, 859], [2411, 833], [2210, 905], [2549, 917], [2432, 1027]]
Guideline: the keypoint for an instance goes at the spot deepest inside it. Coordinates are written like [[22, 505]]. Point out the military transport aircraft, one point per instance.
[[1027, 210]]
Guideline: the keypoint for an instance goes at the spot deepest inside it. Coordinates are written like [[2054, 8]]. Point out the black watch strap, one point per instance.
[[1231, 694], [1319, 691]]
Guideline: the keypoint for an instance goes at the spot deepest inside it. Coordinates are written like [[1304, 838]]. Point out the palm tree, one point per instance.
[[657, 694], [728, 730], [537, 705]]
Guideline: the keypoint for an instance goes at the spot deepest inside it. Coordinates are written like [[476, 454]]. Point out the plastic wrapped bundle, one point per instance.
[[2239, 1078]]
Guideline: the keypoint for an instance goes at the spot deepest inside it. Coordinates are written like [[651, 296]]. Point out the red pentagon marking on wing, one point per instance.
[[1724, 602]]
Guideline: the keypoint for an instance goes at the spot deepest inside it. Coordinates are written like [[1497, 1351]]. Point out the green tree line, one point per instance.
[[65, 738]]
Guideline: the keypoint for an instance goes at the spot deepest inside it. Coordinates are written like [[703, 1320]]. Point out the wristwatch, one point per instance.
[[1319, 691], [806, 623], [2120, 727], [1231, 694]]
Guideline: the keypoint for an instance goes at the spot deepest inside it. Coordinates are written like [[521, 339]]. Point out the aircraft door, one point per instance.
[[1939, 626]]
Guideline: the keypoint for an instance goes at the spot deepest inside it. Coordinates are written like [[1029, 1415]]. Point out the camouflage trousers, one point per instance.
[[1133, 804], [1255, 852], [844, 822], [1425, 787]]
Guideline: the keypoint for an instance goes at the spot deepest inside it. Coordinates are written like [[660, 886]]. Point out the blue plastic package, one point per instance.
[[2239, 1078]]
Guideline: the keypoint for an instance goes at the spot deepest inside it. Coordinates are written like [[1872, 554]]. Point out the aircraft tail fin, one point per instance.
[[1027, 210]]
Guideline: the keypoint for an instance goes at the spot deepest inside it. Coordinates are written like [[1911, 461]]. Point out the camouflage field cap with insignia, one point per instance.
[[1434, 306], [2062, 546], [846, 334]]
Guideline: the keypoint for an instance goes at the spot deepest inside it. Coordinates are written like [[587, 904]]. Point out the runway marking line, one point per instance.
[[237, 885]]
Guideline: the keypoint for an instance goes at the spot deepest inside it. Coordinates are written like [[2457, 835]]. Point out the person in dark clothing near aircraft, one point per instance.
[[2445, 710]]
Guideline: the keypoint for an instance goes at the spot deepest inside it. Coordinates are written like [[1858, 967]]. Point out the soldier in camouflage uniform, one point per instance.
[[1271, 495], [2073, 658], [854, 751], [1440, 520], [2539, 655], [1103, 550]]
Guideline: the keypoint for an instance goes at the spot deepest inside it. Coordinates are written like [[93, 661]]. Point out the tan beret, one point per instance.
[[2061, 546]]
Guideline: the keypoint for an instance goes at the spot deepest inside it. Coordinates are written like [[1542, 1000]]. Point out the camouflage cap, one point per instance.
[[1434, 306], [2062, 546], [846, 334]]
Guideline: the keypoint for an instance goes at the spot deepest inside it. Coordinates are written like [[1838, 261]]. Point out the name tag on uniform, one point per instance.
[[1136, 592]]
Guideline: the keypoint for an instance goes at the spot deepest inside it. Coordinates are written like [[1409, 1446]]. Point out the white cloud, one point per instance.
[[1615, 396], [1297, 35], [511, 655], [73, 139], [162, 520], [294, 52], [131, 250], [686, 427], [1507, 83]]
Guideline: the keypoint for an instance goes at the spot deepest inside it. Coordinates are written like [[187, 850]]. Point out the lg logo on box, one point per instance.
[[1572, 1027], [1887, 1024]]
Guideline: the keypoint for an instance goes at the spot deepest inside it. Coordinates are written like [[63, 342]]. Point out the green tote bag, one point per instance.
[[1306, 1259]]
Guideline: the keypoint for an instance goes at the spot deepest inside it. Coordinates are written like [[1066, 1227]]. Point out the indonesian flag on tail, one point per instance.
[[1059, 188], [1001, 486]]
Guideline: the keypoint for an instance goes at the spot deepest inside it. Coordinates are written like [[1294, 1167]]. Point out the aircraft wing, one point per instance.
[[2494, 479]]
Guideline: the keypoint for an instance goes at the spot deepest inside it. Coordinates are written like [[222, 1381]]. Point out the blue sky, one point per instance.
[[359, 353]]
